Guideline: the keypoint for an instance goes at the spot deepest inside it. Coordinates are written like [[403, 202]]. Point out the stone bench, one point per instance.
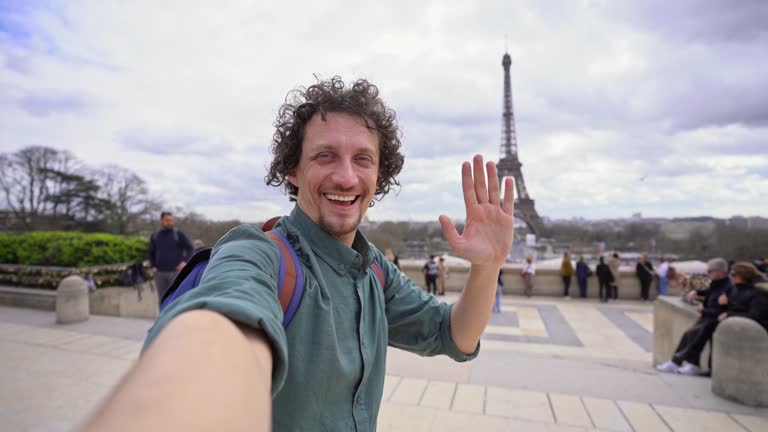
[[739, 361], [671, 318]]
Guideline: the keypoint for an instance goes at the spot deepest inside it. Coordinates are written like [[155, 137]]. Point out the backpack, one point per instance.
[[290, 282]]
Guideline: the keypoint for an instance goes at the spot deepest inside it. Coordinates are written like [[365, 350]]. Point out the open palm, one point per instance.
[[489, 227]]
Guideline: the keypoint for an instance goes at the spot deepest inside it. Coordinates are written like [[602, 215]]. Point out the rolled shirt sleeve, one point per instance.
[[240, 283], [417, 321]]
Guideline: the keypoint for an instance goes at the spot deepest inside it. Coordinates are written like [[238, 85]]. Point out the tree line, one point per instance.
[[49, 189]]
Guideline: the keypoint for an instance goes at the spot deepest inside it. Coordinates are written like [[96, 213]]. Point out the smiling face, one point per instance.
[[337, 173]]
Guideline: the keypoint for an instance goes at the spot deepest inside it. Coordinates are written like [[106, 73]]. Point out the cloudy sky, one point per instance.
[[655, 107]]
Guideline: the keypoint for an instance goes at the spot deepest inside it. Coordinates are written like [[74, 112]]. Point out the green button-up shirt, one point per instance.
[[329, 363]]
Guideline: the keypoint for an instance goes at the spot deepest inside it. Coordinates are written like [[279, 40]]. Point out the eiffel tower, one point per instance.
[[509, 164]]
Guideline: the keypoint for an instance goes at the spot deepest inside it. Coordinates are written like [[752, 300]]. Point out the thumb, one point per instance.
[[450, 233]]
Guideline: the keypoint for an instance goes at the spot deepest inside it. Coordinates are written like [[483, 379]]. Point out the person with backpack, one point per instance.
[[221, 355], [431, 271], [169, 250]]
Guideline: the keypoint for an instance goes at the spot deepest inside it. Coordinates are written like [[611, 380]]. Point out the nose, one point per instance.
[[344, 174]]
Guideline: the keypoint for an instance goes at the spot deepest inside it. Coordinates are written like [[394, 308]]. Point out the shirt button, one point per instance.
[[359, 400], [341, 267]]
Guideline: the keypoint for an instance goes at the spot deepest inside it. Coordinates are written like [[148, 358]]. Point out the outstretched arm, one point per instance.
[[485, 242], [202, 373]]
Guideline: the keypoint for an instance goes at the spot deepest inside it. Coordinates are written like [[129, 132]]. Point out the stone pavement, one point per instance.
[[545, 365]]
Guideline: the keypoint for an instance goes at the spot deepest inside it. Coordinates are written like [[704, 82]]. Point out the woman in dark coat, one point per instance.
[[644, 272], [604, 278], [749, 298]]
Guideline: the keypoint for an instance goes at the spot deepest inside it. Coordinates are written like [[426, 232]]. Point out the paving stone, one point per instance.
[[606, 415], [569, 410], [469, 398], [692, 420], [447, 421], [752, 423], [405, 418], [642, 417], [409, 391], [390, 383], [439, 394], [527, 405]]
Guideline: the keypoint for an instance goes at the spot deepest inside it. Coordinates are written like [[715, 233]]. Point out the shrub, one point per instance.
[[70, 249]]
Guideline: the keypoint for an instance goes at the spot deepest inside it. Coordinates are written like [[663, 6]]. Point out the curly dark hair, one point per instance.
[[360, 99]]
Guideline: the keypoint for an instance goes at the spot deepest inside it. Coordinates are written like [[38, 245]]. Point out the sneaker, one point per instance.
[[690, 369], [669, 366]]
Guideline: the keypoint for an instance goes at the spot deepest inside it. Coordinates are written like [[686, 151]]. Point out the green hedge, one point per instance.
[[70, 249]]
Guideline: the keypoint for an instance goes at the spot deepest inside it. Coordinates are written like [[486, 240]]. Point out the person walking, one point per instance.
[[604, 279], [169, 250], [442, 274], [583, 272], [529, 270], [566, 272], [615, 263], [431, 271], [644, 272]]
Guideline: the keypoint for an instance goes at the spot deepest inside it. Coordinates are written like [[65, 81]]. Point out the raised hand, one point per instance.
[[489, 227]]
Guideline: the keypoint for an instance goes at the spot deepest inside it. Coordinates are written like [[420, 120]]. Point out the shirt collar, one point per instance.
[[340, 257]]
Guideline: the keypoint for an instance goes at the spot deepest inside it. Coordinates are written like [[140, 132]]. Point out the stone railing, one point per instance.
[[547, 282], [113, 301], [671, 318], [48, 277]]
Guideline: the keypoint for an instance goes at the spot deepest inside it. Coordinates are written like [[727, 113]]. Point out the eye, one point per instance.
[[324, 156], [365, 158]]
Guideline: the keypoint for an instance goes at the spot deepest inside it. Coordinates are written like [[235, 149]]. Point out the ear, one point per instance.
[[292, 178]]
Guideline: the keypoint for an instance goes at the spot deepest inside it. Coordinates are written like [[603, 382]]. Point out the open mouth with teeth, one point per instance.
[[342, 200]]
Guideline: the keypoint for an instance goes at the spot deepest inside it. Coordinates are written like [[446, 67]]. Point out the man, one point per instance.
[[169, 250], [693, 341], [442, 274], [614, 263], [214, 355], [583, 272], [431, 272], [661, 272]]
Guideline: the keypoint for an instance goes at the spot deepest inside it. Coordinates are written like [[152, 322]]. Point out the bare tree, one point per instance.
[[25, 180], [129, 198]]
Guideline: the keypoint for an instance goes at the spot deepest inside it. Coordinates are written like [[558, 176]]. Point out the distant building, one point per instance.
[[681, 229]]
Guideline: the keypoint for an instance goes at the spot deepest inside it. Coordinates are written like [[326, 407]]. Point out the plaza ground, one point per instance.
[[545, 365]]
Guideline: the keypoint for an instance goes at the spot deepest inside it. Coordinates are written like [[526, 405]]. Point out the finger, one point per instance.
[[509, 195], [470, 198], [477, 172], [493, 183], [450, 233]]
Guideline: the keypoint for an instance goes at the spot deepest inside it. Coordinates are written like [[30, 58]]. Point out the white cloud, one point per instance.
[[605, 94]]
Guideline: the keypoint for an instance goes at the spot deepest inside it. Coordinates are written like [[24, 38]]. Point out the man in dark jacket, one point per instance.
[[694, 340], [604, 278], [169, 250]]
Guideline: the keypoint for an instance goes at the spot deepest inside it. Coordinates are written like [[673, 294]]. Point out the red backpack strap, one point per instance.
[[379, 272], [290, 282], [268, 225]]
